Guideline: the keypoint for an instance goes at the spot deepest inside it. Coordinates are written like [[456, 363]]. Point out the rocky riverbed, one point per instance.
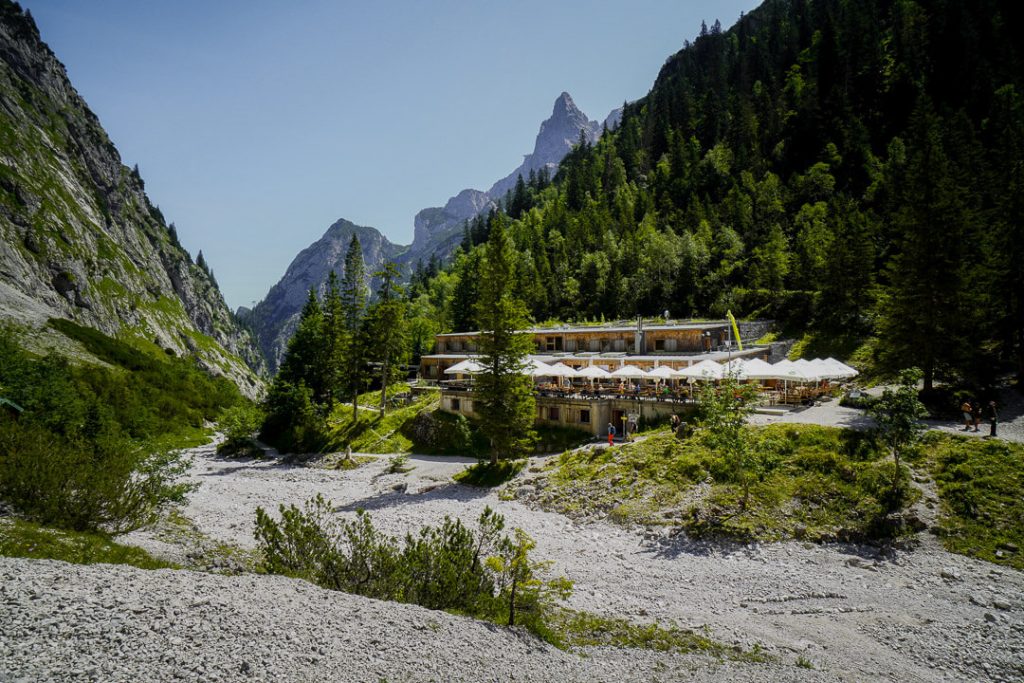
[[851, 613]]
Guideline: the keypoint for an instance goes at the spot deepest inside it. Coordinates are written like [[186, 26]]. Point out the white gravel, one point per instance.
[[831, 414], [856, 615]]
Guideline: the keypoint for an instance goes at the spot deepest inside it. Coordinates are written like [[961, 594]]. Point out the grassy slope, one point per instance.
[[980, 484], [816, 483], [371, 433], [26, 539]]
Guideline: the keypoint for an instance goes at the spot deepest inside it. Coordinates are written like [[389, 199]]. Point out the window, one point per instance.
[[659, 344], [585, 416], [455, 404], [553, 344], [553, 414]]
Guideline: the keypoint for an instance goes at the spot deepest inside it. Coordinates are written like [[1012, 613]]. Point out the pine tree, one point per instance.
[[504, 394], [923, 311], [335, 338], [353, 308], [386, 334], [304, 360]]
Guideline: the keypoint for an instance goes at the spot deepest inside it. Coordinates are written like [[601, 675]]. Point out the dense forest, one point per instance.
[[854, 170]]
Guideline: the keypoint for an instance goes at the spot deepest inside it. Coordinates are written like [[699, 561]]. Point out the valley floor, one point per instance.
[[852, 613]]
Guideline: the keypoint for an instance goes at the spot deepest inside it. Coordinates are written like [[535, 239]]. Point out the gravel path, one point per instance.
[[831, 414], [920, 615]]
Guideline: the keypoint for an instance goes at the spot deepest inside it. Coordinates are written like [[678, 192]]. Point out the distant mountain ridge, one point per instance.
[[274, 318], [79, 238], [437, 230]]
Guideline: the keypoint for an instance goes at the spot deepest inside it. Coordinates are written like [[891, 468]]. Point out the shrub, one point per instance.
[[482, 573], [398, 464], [240, 424], [109, 485], [290, 421], [82, 454]]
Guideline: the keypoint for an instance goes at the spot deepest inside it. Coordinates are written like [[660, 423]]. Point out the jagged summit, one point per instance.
[[438, 229]]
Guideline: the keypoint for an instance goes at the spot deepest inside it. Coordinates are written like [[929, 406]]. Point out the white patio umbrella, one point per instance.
[[755, 368], [593, 372], [811, 371], [791, 372], [844, 371], [630, 372], [561, 370], [662, 372], [466, 367], [706, 369], [535, 368], [735, 368]]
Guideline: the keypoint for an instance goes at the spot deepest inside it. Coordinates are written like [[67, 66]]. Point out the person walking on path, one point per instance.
[[611, 433], [965, 408], [976, 412], [993, 417]]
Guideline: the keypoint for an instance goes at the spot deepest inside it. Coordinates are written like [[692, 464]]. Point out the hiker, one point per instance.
[[965, 408], [993, 417], [611, 433], [675, 422], [976, 412]]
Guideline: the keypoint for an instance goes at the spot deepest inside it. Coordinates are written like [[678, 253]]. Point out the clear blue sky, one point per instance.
[[257, 124]]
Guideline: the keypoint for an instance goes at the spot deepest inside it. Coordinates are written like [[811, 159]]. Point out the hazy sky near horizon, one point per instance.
[[257, 124]]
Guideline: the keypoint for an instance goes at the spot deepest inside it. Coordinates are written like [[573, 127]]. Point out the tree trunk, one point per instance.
[[384, 388], [512, 603], [355, 404]]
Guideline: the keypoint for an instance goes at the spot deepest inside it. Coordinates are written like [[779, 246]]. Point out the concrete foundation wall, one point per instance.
[[571, 412]]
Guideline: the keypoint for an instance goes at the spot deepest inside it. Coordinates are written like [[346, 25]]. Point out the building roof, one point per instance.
[[611, 327], [611, 357]]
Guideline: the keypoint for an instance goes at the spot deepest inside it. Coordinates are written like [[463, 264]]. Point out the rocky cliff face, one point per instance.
[[275, 317], [439, 230], [80, 239]]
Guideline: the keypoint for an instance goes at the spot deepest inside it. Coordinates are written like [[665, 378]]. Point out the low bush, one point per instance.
[[485, 475], [483, 573], [90, 449], [817, 483], [109, 484], [240, 424]]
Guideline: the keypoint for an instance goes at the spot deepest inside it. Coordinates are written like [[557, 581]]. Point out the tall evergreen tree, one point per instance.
[[504, 394], [353, 308], [386, 334], [335, 339], [924, 311], [304, 360]]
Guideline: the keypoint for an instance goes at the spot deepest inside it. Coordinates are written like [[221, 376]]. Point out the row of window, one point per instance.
[[555, 414]]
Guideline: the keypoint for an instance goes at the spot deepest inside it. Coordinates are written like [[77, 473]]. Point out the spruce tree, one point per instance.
[[353, 308], [923, 311], [386, 335], [504, 395], [304, 360], [335, 339]]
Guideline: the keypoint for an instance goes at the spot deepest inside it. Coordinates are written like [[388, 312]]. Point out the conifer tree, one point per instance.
[[386, 334], [304, 360], [353, 308], [504, 394], [335, 338]]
